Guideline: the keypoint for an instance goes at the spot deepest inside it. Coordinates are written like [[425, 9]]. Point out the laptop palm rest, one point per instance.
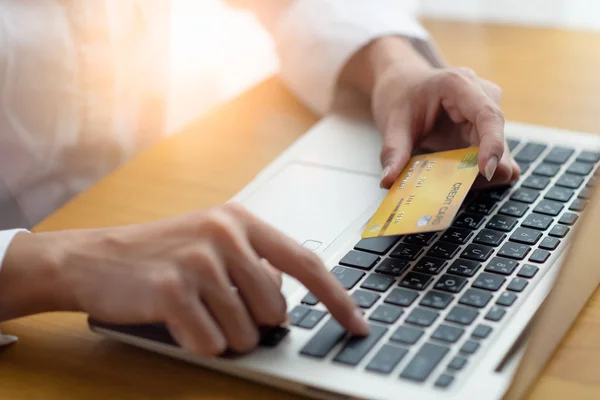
[[298, 200]]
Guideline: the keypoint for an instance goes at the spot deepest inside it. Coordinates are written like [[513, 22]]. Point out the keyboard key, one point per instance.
[[559, 194], [585, 193], [580, 168], [462, 267], [422, 317], [496, 193], [537, 221], [539, 256], [495, 314], [512, 144], [536, 182], [482, 331], [330, 334], [513, 209], [489, 237], [392, 267], [386, 314], [517, 284], [578, 205], [443, 250], [530, 152], [364, 299], [310, 299], [436, 300], [380, 283], [447, 333], [457, 235], [297, 314], [502, 266], [559, 231], [482, 206], [570, 181], [356, 348], [526, 236], [477, 252], [568, 218], [401, 297], [502, 223], [548, 170], [549, 243], [414, 280], [490, 282], [468, 221], [559, 155], [450, 283], [408, 252], [430, 265], [407, 334], [270, 337], [462, 315], [588, 157], [507, 299], [524, 195], [475, 298], [444, 381], [548, 207], [514, 250], [528, 271], [524, 166], [358, 259], [312, 319], [379, 245], [386, 359], [469, 347], [420, 239], [457, 363], [424, 362], [347, 277]]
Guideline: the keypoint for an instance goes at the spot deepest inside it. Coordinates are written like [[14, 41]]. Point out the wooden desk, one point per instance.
[[550, 77]]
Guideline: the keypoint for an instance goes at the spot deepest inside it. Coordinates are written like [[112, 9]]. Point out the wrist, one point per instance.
[[33, 277], [377, 58]]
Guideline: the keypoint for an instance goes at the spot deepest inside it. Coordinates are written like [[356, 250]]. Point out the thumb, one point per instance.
[[397, 148]]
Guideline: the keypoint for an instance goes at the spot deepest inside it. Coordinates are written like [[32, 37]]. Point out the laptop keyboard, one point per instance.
[[433, 299]]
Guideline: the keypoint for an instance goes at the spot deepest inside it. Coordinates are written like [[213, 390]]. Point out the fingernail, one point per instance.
[[7, 339], [363, 327], [490, 168], [385, 173]]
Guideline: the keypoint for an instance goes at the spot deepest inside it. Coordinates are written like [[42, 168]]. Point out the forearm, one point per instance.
[[374, 59], [32, 278]]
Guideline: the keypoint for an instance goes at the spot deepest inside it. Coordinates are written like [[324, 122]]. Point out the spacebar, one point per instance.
[[358, 347], [328, 336], [424, 362]]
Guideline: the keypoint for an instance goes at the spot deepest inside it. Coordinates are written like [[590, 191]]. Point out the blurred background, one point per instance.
[[236, 53]]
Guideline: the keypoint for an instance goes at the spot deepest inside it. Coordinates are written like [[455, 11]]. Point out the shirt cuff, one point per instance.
[[316, 38], [6, 238]]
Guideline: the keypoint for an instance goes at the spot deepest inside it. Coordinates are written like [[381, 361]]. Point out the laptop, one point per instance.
[[474, 311]]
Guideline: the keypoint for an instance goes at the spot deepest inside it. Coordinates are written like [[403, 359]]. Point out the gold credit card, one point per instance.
[[427, 195]]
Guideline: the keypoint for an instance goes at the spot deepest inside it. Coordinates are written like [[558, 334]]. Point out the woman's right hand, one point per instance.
[[212, 276]]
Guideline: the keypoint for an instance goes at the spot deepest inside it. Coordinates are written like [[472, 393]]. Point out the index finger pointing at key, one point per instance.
[[287, 256]]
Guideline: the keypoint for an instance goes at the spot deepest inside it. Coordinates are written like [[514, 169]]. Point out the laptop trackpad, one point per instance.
[[313, 204]]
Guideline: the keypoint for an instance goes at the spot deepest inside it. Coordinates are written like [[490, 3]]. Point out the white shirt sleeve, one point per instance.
[[6, 238], [315, 38]]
